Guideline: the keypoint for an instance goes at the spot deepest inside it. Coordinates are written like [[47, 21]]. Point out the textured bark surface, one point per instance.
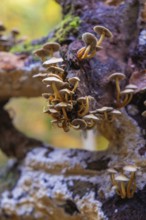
[[74, 184]]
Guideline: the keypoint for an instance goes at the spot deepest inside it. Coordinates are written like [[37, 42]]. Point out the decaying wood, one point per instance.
[[74, 184]]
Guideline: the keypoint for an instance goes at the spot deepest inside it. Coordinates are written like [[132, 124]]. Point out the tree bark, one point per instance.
[[75, 184]]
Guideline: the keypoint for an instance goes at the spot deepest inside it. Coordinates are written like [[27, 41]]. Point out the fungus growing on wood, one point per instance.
[[121, 185], [41, 53], [89, 50], [131, 186], [103, 32], [52, 62], [51, 47], [117, 77], [79, 124]]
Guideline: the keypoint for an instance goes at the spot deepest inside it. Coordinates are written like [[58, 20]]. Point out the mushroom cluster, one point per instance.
[[8, 41], [92, 44], [62, 104], [124, 182], [124, 97]]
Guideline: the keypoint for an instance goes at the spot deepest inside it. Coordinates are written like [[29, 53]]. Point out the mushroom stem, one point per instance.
[[56, 92], [118, 91], [75, 86], [64, 113], [80, 52], [127, 100], [86, 109], [131, 182], [91, 54], [99, 42], [122, 190], [86, 52]]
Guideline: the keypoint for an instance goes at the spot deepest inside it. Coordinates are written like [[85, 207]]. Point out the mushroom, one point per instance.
[[128, 93], [114, 113], [51, 47], [121, 190], [75, 82], [78, 124], [41, 53], [63, 106], [117, 77], [65, 93], [90, 46], [104, 32], [55, 83], [91, 120], [52, 62], [112, 173], [2, 27], [131, 186], [56, 70], [84, 108], [104, 111], [40, 75], [144, 114]]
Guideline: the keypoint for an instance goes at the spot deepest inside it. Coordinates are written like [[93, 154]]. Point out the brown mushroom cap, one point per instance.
[[55, 80], [130, 168], [52, 46], [79, 124], [131, 86], [73, 80], [40, 75], [114, 76], [63, 105], [42, 53], [91, 117], [55, 69], [54, 75], [110, 170], [127, 91], [53, 60], [104, 109], [89, 39], [116, 112], [66, 91], [121, 178], [144, 103], [101, 29]]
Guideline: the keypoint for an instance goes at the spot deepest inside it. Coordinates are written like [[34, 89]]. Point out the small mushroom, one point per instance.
[[90, 46], [117, 77], [55, 83], [56, 70], [65, 93], [84, 108], [2, 27], [121, 180], [52, 62], [131, 186], [51, 47], [104, 32], [104, 111], [79, 124], [144, 114], [112, 173], [63, 106], [91, 120], [128, 93], [40, 75], [41, 53], [75, 82]]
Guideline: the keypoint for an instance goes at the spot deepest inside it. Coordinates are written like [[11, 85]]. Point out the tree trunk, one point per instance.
[[48, 183]]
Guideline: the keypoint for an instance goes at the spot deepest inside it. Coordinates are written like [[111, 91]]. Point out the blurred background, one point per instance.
[[34, 19]]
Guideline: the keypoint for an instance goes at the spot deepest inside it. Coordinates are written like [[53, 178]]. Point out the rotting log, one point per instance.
[[75, 184]]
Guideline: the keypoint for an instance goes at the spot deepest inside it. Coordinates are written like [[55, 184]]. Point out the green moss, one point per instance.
[[69, 24]]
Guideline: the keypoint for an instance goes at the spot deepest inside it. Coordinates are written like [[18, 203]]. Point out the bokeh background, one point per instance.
[[34, 19]]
